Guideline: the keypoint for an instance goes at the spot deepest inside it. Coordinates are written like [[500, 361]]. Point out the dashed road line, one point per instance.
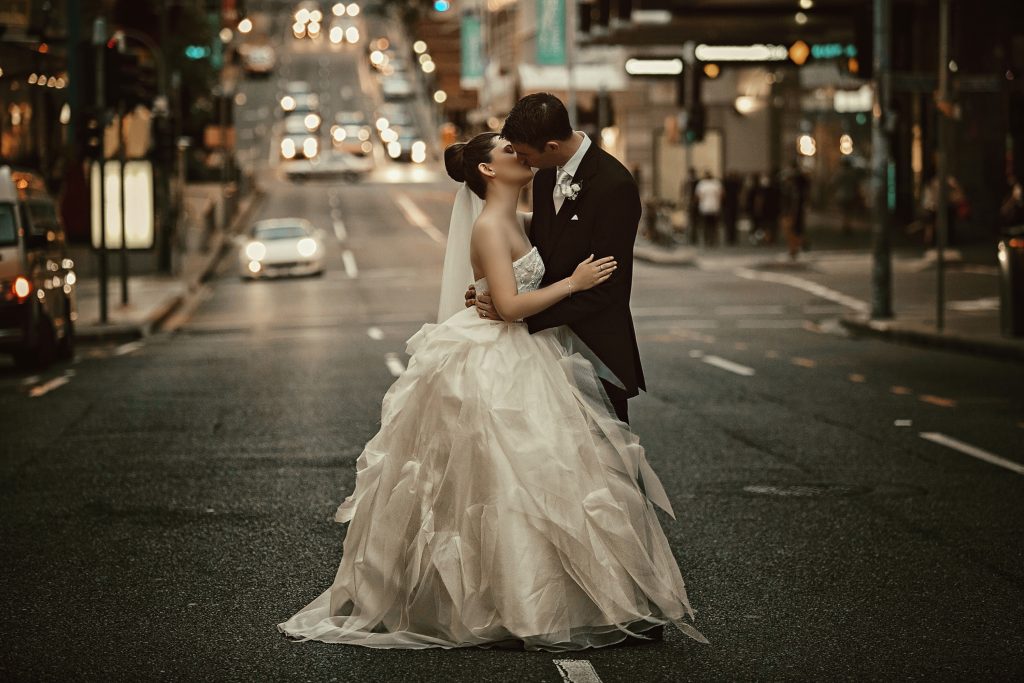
[[419, 219], [375, 333], [809, 286], [576, 671], [125, 349], [339, 229], [973, 451], [903, 423], [394, 364], [856, 378], [803, 362], [728, 365], [900, 391], [47, 387], [349, 261], [938, 401]]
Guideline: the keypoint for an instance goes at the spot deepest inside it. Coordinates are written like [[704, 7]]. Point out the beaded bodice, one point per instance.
[[528, 269]]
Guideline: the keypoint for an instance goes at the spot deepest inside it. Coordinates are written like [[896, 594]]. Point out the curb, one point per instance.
[[95, 334], [675, 257], [892, 332]]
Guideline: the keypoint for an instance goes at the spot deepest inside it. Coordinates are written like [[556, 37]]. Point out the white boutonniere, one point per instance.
[[574, 191]]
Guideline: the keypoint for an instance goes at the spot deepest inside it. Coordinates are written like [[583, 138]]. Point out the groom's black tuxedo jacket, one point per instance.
[[607, 211]]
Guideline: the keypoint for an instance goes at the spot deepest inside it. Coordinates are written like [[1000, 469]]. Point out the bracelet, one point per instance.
[[570, 287]]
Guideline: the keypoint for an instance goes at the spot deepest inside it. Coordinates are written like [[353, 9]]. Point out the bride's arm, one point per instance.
[[491, 245]]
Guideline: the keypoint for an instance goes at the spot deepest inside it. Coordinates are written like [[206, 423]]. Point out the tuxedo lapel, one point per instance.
[[561, 222], [543, 210]]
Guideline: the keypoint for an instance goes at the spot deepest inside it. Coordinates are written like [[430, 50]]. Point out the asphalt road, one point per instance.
[[166, 503]]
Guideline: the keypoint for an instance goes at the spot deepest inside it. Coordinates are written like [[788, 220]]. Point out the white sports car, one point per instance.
[[281, 246]]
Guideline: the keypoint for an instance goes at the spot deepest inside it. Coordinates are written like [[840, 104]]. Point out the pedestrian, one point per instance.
[[795, 188], [847, 194], [767, 207], [709, 204], [1011, 211], [733, 186], [690, 203]]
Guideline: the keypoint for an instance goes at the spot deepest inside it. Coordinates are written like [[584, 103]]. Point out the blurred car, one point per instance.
[[308, 21], [351, 133], [407, 145], [396, 115], [297, 142], [37, 279], [281, 246], [344, 31], [396, 87], [258, 60], [332, 164], [297, 88], [301, 103]]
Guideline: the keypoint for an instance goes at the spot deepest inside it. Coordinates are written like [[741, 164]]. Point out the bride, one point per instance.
[[501, 503]]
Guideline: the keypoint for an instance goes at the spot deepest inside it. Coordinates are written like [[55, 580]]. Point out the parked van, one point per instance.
[[37, 279]]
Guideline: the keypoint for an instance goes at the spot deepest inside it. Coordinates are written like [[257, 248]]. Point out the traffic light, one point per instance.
[[688, 96]]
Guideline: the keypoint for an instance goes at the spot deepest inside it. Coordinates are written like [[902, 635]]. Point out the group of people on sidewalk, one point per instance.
[[773, 203]]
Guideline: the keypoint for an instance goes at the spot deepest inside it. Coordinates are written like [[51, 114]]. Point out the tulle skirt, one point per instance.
[[500, 502]]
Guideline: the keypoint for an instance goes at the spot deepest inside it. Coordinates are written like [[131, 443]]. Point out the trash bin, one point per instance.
[[1011, 282]]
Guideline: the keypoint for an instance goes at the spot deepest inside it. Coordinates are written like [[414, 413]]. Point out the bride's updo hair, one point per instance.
[[462, 161]]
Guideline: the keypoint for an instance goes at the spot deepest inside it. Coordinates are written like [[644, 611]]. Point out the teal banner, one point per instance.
[[551, 32], [472, 46]]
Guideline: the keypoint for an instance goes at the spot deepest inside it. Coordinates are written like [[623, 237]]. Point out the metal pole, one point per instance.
[[99, 40], [121, 194], [942, 168], [570, 58], [881, 269]]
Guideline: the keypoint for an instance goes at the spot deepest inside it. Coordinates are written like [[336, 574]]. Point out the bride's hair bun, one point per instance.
[[454, 161]]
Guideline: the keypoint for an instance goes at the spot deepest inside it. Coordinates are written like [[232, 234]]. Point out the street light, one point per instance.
[[245, 26]]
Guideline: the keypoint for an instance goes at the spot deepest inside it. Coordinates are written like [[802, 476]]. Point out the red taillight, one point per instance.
[[21, 287]]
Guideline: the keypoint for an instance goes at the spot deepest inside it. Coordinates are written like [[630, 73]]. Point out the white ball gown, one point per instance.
[[500, 501]]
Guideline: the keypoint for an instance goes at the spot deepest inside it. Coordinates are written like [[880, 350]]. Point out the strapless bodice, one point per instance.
[[528, 269]]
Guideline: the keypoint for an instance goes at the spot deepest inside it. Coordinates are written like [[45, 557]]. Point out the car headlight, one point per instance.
[[352, 34], [306, 246], [287, 148], [309, 147], [338, 133], [419, 146], [312, 122], [394, 149], [255, 251], [364, 134], [288, 103], [337, 35]]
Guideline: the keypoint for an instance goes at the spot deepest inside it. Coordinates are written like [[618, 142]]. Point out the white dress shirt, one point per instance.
[[570, 167]]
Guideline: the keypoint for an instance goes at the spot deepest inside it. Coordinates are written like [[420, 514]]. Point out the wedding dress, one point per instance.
[[501, 500]]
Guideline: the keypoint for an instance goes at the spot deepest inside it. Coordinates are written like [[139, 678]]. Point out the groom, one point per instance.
[[584, 202]]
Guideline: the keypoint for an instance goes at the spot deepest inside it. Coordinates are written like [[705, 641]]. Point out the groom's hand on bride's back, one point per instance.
[[484, 306]]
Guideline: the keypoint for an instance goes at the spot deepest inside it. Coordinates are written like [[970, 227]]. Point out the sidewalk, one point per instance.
[[154, 298], [972, 322]]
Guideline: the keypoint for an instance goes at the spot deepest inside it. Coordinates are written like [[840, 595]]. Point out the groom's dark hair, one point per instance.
[[536, 119]]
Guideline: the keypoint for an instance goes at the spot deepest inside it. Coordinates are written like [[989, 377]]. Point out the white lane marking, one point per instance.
[[349, 260], [903, 423], [668, 311], [576, 671], [124, 349], [769, 324], [375, 333], [339, 230], [750, 310], [395, 366], [335, 214], [728, 365], [32, 379], [47, 387], [973, 451], [814, 288], [990, 303], [415, 215]]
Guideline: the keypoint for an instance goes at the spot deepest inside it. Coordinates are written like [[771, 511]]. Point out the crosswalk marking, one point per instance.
[[577, 671], [349, 261]]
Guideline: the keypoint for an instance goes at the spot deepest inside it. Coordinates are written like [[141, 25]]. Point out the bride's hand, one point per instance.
[[591, 273]]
